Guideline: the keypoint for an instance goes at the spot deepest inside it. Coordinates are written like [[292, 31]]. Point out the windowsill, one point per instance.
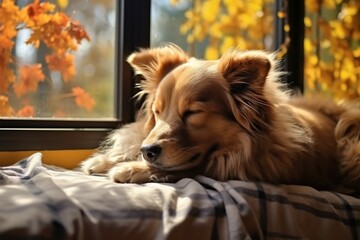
[[68, 159], [28, 135], [50, 139]]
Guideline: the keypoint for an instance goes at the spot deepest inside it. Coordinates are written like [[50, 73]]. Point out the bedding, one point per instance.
[[45, 202]]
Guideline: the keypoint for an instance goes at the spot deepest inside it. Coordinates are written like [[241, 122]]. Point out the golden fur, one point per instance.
[[229, 119]]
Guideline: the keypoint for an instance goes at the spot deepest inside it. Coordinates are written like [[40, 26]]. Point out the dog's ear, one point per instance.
[[246, 75], [154, 63], [244, 70]]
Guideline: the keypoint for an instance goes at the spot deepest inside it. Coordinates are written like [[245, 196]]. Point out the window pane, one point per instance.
[[206, 29], [332, 49], [59, 59]]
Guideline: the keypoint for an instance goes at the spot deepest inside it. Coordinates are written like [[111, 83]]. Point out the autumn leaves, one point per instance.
[[332, 48], [59, 33], [227, 24], [332, 41]]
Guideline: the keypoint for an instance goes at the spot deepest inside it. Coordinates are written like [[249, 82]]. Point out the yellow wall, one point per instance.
[[63, 158]]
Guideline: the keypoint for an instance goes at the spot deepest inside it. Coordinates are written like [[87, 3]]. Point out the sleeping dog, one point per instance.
[[230, 118]]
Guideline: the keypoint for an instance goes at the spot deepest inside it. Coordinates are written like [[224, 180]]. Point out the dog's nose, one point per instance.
[[150, 152]]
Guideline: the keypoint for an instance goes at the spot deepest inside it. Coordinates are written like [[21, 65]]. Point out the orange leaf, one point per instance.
[[36, 8], [37, 14], [9, 19], [59, 114], [5, 109], [78, 32], [83, 99], [27, 111], [7, 33], [30, 76], [60, 20], [63, 63], [9, 12], [56, 30], [7, 76], [6, 43]]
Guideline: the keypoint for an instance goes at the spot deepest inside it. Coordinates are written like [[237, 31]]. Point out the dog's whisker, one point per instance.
[[188, 149]]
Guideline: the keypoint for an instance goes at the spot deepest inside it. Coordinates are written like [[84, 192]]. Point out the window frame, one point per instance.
[[132, 32], [294, 61], [294, 57]]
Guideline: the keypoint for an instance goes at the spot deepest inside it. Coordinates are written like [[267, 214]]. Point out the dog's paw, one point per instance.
[[96, 164], [130, 172]]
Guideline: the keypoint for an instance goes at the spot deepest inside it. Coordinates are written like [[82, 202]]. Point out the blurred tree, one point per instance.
[[96, 60], [57, 35], [332, 48], [90, 66], [332, 42], [225, 24]]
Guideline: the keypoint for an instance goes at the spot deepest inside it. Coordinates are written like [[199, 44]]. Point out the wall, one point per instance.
[[64, 158]]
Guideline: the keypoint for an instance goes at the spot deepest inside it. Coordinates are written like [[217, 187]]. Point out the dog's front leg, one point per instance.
[[122, 145], [135, 172], [142, 172]]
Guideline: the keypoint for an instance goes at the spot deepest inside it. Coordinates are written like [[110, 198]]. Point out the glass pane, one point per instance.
[[57, 58], [206, 29], [332, 49]]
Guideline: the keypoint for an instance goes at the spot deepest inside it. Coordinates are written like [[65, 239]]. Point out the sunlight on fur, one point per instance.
[[230, 119]]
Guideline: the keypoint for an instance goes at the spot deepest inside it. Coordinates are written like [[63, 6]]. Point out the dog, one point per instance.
[[229, 119]]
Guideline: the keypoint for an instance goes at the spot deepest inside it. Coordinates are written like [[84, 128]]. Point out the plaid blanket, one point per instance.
[[42, 202]]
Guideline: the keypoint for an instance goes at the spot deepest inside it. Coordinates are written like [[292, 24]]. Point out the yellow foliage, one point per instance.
[[211, 53], [228, 43], [308, 48], [331, 44], [287, 28], [63, 3], [356, 52], [228, 24], [210, 10], [332, 55], [338, 30], [312, 6], [307, 22], [329, 3]]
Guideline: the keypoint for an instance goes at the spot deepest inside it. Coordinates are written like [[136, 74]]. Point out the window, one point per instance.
[[80, 131]]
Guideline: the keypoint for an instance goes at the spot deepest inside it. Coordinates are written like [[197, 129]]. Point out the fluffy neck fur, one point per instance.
[[265, 156]]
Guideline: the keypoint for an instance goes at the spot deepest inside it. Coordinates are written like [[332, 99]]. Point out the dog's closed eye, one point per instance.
[[190, 115]]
